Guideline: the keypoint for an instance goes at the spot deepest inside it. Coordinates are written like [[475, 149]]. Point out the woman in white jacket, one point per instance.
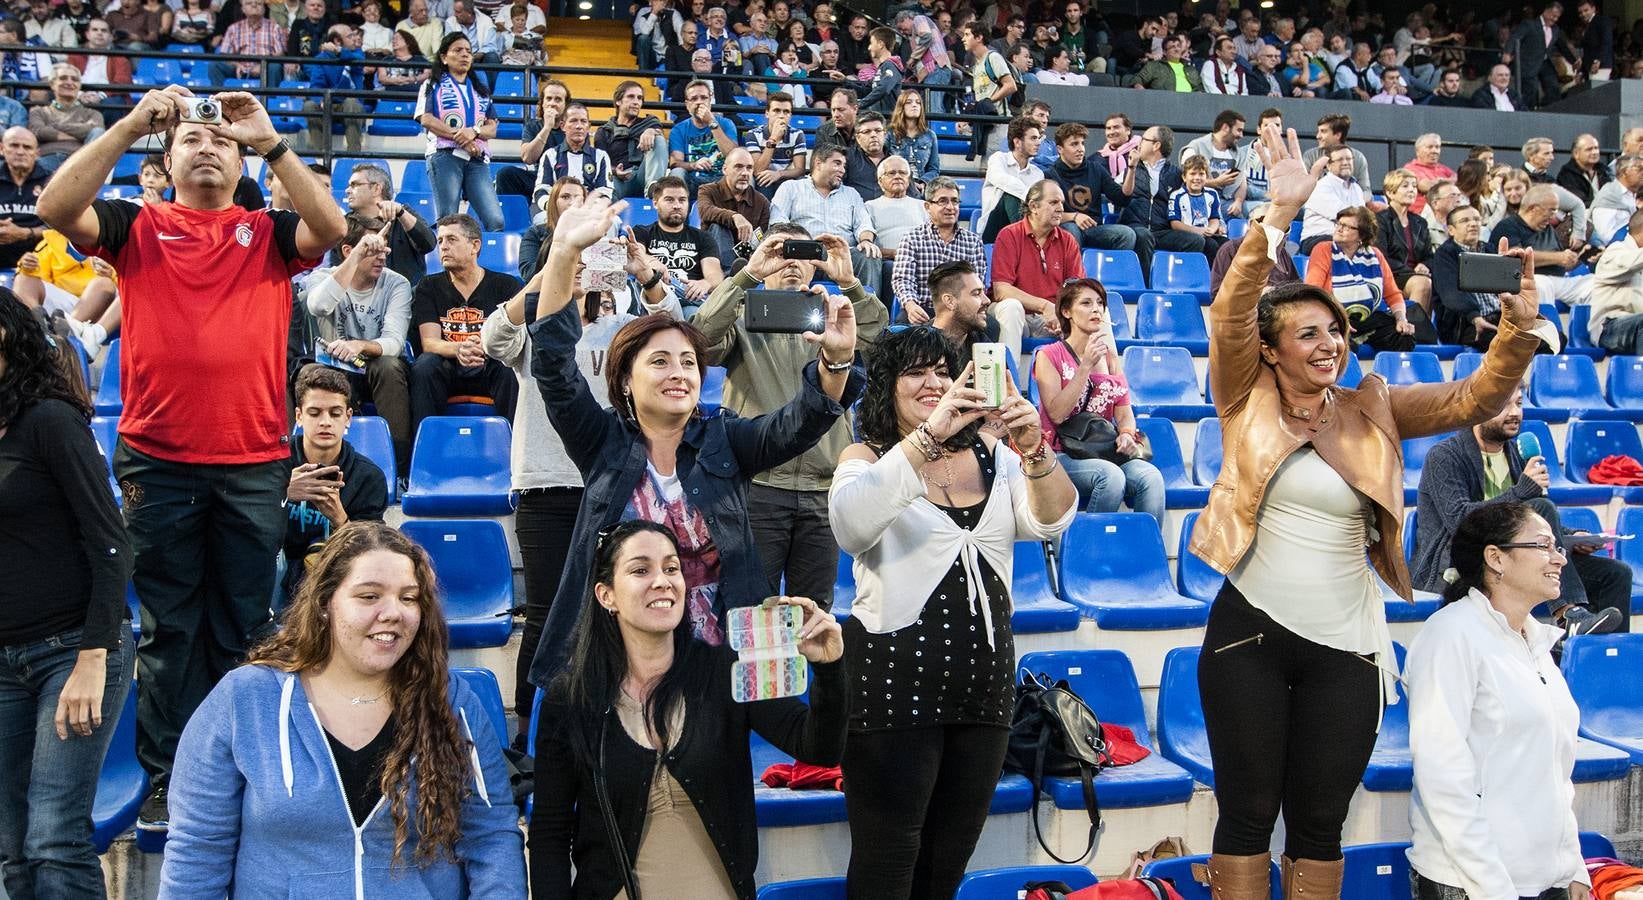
[[929, 505], [1492, 725]]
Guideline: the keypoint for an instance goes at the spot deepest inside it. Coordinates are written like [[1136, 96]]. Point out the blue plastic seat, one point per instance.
[[370, 436], [1466, 363], [808, 889], [1181, 734], [1194, 577], [1564, 491], [1301, 261], [395, 118], [1113, 568], [948, 140], [1164, 383], [108, 401], [1117, 270], [1237, 228], [500, 253], [1397, 608], [1171, 319], [1623, 386], [1036, 608], [122, 784], [1583, 518], [1592, 844], [1106, 682], [516, 213], [106, 430], [1570, 384], [153, 71], [1413, 367], [483, 683], [712, 393], [806, 124], [997, 884], [969, 195], [1630, 521], [414, 178], [1376, 872], [470, 558], [639, 212], [844, 586], [1206, 452], [459, 467], [1590, 440], [1118, 313], [1595, 761], [1180, 492], [1602, 671], [1414, 459], [1352, 375], [1580, 334], [419, 202], [1181, 273], [1391, 765], [1178, 872], [509, 83]]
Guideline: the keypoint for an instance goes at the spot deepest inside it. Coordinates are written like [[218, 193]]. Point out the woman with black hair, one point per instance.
[[1492, 726], [931, 505], [454, 108], [642, 756], [65, 633]]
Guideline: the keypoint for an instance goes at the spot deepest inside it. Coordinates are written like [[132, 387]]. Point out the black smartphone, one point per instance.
[[793, 249], [784, 312], [1490, 273], [333, 475]]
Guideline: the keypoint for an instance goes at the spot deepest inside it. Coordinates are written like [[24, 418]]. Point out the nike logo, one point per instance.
[[172, 237]]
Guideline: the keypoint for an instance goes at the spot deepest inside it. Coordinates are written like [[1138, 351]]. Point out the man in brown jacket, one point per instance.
[[732, 211]]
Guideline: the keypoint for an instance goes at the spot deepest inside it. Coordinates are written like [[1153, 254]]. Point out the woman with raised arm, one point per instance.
[[654, 456], [1297, 659]]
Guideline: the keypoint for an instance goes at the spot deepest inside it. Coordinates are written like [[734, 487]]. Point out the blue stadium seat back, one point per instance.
[[122, 785], [1037, 609], [459, 467], [1237, 228], [1300, 262], [158, 72], [370, 436], [948, 140], [510, 124], [1172, 319], [1630, 521], [1412, 367], [1376, 872], [1411, 521], [808, 889], [419, 202], [1623, 385], [1103, 678], [1163, 383], [1584, 518], [1181, 734], [1414, 457], [414, 179], [1181, 273], [108, 401], [119, 192], [516, 213], [483, 682], [1391, 766], [844, 586], [106, 430], [509, 83], [342, 168], [1601, 670], [1206, 451], [1594, 846], [1352, 375], [286, 114], [1295, 231], [1113, 568], [1117, 270], [1579, 330], [969, 194], [1564, 491], [1118, 312], [1178, 872], [1466, 363], [396, 118], [1590, 440], [1194, 577], [470, 558], [713, 390], [639, 212], [999, 884], [500, 253], [807, 124], [1179, 489], [1565, 382]]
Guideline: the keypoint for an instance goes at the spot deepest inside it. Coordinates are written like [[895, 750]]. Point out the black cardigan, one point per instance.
[[1389, 236], [712, 762]]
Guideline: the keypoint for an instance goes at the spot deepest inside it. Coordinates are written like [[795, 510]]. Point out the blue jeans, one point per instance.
[[456, 179], [1103, 486], [47, 785]]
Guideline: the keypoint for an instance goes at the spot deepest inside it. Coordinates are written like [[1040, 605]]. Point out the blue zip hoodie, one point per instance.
[[257, 809]]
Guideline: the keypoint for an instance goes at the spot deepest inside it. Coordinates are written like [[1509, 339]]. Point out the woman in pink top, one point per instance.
[[1081, 373]]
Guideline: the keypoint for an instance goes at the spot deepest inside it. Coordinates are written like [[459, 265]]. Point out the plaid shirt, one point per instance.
[[266, 38], [921, 251]]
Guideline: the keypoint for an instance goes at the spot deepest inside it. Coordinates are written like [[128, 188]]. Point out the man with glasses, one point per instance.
[[928, 247], [369, 195], [1031, 260], [1336, 190], [1482, 466], [1265, 77], [1533, 226]]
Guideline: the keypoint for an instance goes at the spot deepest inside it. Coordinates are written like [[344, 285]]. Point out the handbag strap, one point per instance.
[[608, 812], [1091, 805]]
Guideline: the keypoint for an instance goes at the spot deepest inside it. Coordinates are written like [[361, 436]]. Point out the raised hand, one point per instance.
[[246, 122], [158, 109], [838, 339], [837, 267], [1020, 418], [960, 406], [1523, 307], [582, 225], [821, 640], [1291, 183]]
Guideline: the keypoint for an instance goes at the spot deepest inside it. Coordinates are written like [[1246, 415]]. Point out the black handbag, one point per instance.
[[1086, 435], [1054, 733]]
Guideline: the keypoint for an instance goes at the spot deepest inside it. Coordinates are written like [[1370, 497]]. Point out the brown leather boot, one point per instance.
[[1240, 877], [1311, 879]]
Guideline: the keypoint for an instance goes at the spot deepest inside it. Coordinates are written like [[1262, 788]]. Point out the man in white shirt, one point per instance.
[[1009, 176], [1222, 74], [822, 204], [52, 30], [1393, 91], [1498, 93], [1219, 148], [894, 213], [1333, 129], [1355, 76], [479, 28], [577, 158], [1250, 167], [1616, 201], [1336, 190], [657, 27]]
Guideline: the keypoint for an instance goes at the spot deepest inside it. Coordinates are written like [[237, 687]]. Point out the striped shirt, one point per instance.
[[841, 212], [1194, 209]]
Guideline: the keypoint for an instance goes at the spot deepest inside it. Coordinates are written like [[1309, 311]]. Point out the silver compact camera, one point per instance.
[[202, 110]]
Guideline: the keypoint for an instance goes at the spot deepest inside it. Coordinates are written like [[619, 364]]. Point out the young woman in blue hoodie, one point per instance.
[[344, 760]]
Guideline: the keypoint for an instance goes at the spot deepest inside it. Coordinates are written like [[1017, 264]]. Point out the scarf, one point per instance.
[[1118, 157]]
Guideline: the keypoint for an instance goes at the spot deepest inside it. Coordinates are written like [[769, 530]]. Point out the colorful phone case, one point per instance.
[[767, 641], [769, 678]]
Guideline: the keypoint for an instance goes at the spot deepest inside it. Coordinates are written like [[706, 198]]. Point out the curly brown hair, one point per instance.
[[428, 731]]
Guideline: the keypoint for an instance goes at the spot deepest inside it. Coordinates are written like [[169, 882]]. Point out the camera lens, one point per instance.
[[206, 110]]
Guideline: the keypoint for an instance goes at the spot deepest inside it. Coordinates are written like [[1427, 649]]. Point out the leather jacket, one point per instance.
[[1358, 432]]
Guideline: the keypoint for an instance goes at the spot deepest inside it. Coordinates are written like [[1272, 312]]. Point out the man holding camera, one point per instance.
[[787, 505], [201, 459]]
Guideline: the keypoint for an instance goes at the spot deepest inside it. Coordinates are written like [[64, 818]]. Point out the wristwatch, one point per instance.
[[277, 151]]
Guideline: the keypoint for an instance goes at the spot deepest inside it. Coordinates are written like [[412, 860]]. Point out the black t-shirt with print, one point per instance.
[[680, 251], [436, 300]]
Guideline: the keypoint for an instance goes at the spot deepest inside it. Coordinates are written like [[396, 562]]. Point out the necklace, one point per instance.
[[360, 701], [947, 463]]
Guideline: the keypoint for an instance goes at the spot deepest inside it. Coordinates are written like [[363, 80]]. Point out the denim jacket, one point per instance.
[[920, 152], [716, 462]]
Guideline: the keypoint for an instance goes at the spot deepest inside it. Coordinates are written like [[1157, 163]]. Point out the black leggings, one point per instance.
[[917, 799], [1291, 724], [543, 522]]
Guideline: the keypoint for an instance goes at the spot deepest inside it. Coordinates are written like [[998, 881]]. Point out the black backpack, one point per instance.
[[1054, 733]]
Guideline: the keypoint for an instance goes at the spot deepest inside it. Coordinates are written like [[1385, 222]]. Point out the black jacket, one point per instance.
[[1395, 242], [1570, 178], [862, 173], [1459, 100], [364, 497], [1261, 84], [1483, 99], [1086, 186], [1597, 43], [711, 761], [1455, 307], [1146, 209], [1452, 486]]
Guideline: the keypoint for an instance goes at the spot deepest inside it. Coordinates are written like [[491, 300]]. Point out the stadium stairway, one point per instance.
[[593, 44]]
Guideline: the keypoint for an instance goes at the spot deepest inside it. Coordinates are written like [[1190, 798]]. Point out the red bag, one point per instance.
[[1143, 888]]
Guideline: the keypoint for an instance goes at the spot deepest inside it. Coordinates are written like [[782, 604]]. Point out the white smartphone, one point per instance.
[[990, 373]]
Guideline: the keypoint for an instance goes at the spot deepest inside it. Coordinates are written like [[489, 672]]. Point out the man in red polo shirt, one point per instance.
[[203, 454], [1031, 260]]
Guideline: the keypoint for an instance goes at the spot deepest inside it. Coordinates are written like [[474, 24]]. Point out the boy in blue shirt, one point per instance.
[[1197, 212]]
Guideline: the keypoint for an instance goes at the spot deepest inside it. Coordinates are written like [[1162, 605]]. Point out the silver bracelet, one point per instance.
[[1054, 461]]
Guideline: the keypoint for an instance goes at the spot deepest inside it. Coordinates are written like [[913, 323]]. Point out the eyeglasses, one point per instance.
[[944, 201], [1548, 547], [1347, 225]]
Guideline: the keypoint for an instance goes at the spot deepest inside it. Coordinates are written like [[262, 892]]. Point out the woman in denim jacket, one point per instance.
[[911, 138], [653, 455]]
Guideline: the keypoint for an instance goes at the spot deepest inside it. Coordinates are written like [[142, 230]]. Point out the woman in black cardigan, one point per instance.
[[1405, 239], [631, 821]]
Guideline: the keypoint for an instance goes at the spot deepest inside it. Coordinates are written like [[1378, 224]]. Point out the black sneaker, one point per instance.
[[156, 812], [1578, 620]]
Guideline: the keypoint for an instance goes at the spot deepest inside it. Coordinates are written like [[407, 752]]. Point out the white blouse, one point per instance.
[[1492, 728]]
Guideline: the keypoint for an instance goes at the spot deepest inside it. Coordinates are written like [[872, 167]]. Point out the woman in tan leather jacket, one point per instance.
[[1297, 660]]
